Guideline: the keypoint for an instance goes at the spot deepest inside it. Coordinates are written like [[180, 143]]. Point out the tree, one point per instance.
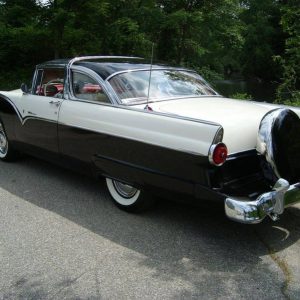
[[20, 34], [264, 39], [201, 34], [290, 86]]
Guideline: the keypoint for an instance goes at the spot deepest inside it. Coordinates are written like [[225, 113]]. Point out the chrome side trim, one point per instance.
[[270, 204]]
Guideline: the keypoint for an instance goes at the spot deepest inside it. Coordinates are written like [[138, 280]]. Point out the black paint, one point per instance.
[[147, 166]]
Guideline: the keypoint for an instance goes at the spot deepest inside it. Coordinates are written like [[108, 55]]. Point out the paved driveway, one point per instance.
[[62, 238]]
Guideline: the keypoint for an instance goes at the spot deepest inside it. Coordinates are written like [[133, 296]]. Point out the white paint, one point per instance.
[[30, 105], [239, 119], [169, 132]]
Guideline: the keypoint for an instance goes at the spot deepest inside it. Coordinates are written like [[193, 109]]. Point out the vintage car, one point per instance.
[[152, 128]]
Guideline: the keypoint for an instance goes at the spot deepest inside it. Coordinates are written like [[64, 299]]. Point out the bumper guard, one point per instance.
[[270, 204]]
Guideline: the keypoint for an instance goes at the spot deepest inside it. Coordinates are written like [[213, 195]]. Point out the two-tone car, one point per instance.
[[156, 129]]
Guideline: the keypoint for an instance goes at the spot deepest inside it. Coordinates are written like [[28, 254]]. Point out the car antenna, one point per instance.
[[150, 77]]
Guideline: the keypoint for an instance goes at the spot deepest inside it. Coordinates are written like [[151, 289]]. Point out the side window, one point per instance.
[[49, 83], [87, 88]]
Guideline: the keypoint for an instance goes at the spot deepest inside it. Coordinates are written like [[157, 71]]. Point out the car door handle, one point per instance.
[[31, 113], [55, 102]]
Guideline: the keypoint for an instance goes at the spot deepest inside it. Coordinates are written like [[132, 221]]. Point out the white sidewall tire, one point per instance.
[[119, 198]]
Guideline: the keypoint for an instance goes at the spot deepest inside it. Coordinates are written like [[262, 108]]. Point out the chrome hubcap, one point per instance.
[[125, 190]]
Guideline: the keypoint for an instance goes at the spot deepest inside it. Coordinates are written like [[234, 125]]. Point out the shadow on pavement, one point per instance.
[[175, 239]]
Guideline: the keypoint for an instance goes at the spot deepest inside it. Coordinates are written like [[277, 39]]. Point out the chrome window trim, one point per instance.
[[94, 57], [34, 79], [149, 69], [94, 76], [114, 98], [112, 95]]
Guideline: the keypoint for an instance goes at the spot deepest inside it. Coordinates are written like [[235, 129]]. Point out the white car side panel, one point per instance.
[[239, 119], [143, 126], [30, 106], [33, 106]]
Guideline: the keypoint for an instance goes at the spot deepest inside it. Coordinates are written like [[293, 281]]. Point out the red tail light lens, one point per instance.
[[218, 154]]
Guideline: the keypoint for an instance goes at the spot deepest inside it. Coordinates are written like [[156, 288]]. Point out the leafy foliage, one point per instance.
[[222, 38], [241, 96], [289, 90]]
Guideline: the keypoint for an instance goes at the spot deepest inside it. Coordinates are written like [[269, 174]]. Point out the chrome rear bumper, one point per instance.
[[270, 204]]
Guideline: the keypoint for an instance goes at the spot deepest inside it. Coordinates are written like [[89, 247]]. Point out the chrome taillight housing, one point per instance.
[[217, 154]]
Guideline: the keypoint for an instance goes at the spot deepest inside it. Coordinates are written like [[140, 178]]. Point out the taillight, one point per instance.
[[218, 154]]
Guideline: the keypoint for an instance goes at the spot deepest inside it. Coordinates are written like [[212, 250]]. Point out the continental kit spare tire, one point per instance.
[[279, 142]]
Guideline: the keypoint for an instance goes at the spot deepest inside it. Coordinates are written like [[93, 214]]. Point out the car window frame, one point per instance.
[[95, 77], [35, 78], [119, 100]]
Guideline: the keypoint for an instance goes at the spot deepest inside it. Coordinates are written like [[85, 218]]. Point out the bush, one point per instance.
[[241, 96], [11, 81]]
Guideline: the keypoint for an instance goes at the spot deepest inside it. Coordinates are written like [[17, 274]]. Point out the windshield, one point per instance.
[[132, 87]]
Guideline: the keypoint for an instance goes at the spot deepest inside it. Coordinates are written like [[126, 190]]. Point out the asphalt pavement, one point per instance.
[[61, 237]]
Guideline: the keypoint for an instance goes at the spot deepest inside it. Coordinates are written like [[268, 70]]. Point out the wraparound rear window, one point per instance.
[[132, 87]]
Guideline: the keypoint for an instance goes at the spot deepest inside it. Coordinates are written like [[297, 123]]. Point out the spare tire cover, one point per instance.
[[279, 142]]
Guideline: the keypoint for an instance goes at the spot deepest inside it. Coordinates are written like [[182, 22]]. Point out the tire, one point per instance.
[[7, 153], [127, 197]]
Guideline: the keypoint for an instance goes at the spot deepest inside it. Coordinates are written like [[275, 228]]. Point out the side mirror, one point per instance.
[[24, 88]]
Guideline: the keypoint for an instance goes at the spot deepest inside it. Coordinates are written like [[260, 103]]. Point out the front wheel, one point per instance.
[[7, 153], [127, 197]]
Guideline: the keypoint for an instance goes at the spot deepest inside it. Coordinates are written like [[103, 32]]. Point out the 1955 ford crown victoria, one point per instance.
[[150, 128]]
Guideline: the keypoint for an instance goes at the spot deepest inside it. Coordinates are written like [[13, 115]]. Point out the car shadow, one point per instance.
[[172, 237]]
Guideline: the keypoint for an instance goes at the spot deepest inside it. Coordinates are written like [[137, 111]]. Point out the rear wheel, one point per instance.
[[7, 153], [127, 197]]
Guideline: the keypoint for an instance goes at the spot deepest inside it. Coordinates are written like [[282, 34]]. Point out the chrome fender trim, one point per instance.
[[270, 204]]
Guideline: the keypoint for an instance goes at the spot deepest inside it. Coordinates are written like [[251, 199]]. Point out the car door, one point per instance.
[[87, 95], [39, 111]]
